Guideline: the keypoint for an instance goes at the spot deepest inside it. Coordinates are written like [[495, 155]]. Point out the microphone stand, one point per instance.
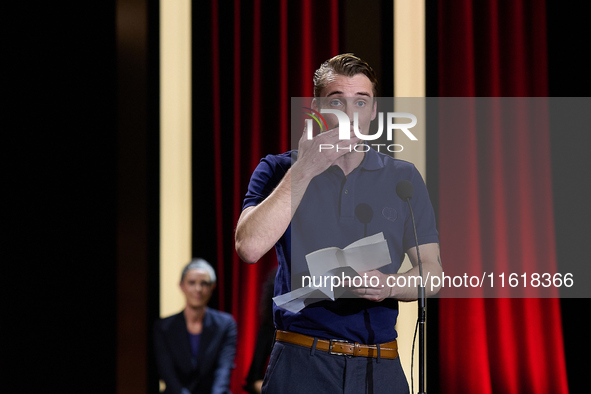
[[422, 308]]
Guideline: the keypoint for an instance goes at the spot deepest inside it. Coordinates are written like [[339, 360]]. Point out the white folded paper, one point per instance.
[[330, 265]]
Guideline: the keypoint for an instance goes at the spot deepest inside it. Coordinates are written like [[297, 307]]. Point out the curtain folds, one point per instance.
[[495, 202], [252, 57], [495, 199]]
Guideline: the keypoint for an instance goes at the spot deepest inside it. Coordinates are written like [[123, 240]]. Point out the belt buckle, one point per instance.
[[330, 342]]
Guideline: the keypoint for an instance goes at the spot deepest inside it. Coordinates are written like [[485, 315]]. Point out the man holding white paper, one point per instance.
[[304, 201]]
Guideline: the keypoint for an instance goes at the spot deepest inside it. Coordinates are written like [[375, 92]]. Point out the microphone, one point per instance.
[[405, 191], [364, 214]]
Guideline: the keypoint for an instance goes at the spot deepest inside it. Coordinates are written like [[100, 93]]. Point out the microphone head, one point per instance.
[[364, 213], [405, 190]]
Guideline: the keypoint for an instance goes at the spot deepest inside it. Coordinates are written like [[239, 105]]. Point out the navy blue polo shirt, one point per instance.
[[326, 218]]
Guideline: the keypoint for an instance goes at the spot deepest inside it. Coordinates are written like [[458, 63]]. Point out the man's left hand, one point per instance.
[[374, 286]]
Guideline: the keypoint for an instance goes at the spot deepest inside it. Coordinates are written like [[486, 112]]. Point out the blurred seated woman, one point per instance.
[[195, 348]]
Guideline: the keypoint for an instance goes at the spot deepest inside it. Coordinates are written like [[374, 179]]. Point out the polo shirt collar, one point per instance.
[[372, 161]]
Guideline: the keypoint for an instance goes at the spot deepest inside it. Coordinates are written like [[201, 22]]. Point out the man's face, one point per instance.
[[197, 287], [350, 95]]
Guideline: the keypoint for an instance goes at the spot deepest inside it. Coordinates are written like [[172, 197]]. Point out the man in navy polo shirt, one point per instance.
[[306, 200]]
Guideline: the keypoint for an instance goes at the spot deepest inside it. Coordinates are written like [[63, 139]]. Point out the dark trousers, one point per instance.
[[295, 369]]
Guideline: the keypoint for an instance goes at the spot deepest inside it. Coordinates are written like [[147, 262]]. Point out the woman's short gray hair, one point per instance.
[[201, 264]]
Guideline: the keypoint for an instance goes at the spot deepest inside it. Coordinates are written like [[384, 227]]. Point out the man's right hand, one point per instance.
[[324, 150]]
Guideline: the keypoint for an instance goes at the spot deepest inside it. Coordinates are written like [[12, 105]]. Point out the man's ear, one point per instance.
[[314, 104]]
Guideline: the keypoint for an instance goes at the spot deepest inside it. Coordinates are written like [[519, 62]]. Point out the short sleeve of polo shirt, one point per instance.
[[265, 178]]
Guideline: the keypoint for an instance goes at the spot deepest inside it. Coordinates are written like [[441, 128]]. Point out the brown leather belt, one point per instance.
[[338, 347]]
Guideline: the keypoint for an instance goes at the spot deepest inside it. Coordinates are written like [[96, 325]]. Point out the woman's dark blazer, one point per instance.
[[215, 359]]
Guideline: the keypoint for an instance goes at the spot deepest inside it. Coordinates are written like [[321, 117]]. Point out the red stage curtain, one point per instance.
[[255, 57], [495, 203]]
